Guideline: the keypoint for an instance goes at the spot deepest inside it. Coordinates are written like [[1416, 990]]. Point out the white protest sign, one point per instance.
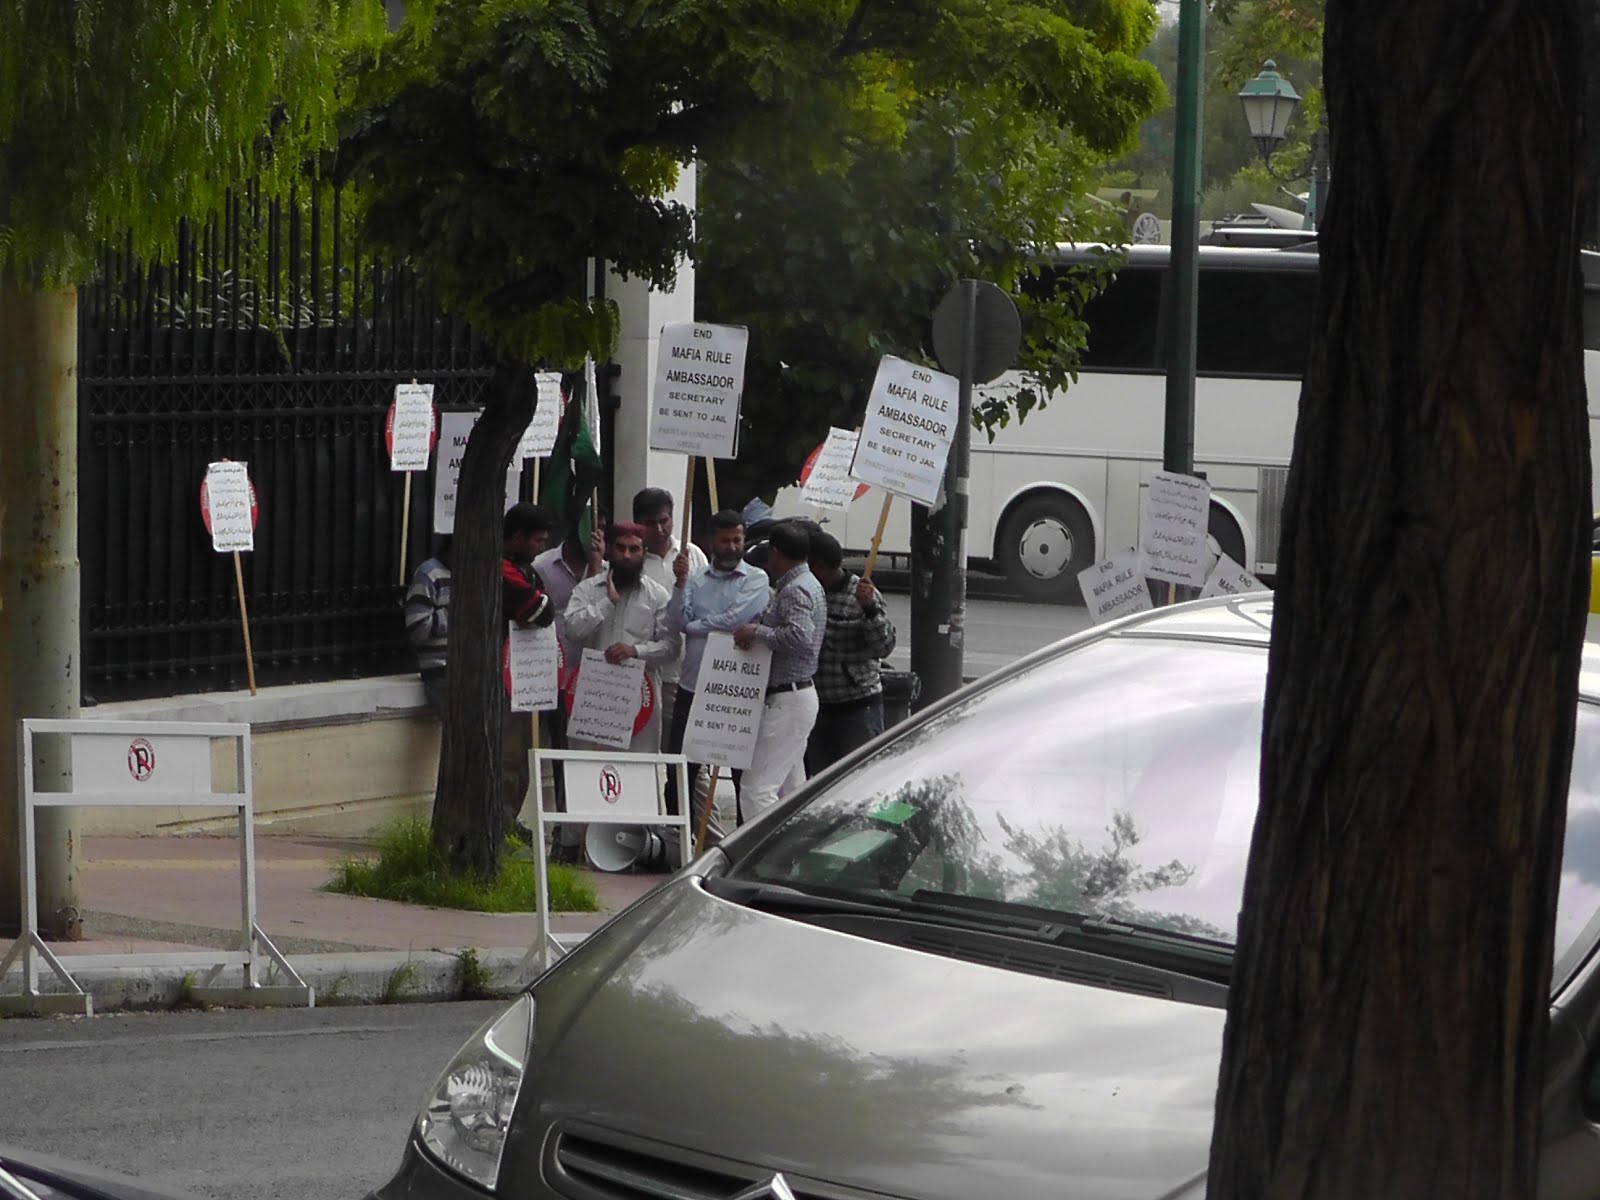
[[454, 430], [539, 439], [535, 664], [1228, 578], [1115, 588], [229, 507], [1177, 509], [606, 701], [829, 484], [910, 423], [699, 376], [725, 721], [410, 427]]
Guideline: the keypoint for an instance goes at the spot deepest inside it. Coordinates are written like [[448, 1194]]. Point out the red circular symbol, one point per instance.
[[647, 697], [610, 784], [141, 759], [388, 431], [811, 459], [205, 502]]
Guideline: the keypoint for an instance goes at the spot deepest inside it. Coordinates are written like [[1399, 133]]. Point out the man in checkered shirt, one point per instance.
[[849, 685]]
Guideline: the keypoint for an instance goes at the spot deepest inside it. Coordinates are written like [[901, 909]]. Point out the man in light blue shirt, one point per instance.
[[719, 598]]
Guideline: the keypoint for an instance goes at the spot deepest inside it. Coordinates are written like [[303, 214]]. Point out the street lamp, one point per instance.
[[1269, 101]]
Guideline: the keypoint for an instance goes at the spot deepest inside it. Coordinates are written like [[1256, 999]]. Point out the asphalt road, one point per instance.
[[272, 1105], [998, 631]]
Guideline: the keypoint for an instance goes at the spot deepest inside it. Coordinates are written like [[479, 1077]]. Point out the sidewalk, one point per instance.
[[143, 895]]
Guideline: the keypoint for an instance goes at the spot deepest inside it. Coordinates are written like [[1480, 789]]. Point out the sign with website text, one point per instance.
[[411, 428], [729, 699], [1115, 588], [699, 379], [606, 701], [825, 479], [540, 437], [535, 664], [228, 507], [454, 430], [910, 423], [1172, 537]]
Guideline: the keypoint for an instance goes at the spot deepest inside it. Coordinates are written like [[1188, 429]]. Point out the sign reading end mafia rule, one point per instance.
[[910, 423], [699, 379]]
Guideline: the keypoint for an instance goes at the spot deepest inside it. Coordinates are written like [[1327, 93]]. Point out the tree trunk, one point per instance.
[[1386, 1027], [39, 636], [466, 807]]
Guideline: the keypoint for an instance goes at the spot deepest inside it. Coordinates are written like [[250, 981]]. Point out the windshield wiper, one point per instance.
[[1101, 924], [774, 897]]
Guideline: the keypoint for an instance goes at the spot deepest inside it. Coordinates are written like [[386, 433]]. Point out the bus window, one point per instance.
[[1124, 323], [1254, 323]]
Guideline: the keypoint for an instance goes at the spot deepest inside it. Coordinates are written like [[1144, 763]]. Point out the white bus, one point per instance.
[[1053, 494]]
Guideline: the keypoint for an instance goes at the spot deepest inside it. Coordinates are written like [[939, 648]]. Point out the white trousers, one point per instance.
[[779, 763]]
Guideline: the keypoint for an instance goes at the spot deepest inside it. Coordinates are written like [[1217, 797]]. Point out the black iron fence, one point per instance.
[[272, 338]]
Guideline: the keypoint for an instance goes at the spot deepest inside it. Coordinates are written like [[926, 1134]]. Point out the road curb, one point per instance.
[[346, 978]]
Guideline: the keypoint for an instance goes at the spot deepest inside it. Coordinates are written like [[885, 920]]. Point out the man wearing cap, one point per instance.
[[793, 625]]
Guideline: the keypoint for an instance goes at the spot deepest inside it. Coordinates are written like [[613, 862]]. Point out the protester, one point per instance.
[[653, 509], [859, 636], [728, 593], [427, 617], [526, 529], [624, 613], [560, 569], [793, 625]]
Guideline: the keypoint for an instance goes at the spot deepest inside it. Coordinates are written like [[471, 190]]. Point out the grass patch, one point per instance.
[[404, 866]]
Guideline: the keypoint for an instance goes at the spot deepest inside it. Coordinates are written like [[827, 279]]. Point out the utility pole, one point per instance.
[[1177, 449]]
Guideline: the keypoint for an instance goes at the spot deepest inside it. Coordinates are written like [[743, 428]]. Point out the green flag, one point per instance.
[[575, 470]]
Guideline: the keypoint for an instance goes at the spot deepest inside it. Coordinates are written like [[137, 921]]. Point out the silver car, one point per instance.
[[986, 956]]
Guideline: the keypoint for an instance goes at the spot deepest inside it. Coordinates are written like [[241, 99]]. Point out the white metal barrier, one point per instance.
[[625, 790], [119, 764]]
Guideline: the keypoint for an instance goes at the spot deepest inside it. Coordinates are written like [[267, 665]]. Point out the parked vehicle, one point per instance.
[[986, 955]]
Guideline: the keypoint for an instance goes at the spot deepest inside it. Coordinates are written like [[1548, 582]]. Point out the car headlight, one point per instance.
[[468, 1112]]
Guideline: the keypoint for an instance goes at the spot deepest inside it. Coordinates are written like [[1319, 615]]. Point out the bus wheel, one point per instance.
[[1224, 535], [1045, 542]]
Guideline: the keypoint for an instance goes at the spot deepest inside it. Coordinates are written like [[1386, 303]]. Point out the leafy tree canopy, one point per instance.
[[118, 117], [507, 142]]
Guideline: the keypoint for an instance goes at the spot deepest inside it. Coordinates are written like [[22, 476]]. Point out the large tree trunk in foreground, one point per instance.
[[466, 806], [39, 635], [1386, 1028]]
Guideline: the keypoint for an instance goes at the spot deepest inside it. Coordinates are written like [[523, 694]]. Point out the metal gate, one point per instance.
[[276, 338]]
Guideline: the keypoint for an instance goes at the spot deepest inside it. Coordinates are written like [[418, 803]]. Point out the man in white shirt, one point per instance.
[[653, 509], [624, 613]]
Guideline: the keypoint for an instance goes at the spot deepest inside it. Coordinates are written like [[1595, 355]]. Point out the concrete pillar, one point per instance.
[[643, 312], [39, 635]]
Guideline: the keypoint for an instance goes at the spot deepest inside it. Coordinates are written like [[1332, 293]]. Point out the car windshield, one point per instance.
[[1117, 780]]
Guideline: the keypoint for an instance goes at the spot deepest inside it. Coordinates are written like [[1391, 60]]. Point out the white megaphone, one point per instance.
[[613, 848]]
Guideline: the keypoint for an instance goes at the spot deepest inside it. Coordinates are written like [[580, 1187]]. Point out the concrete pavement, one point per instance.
[[160, 894]]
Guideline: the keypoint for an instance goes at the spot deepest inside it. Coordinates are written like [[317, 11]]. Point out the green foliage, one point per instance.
[[400, 984], [405, 866], [477, 982], [118, 117], [1061, 873], [1241, 36]]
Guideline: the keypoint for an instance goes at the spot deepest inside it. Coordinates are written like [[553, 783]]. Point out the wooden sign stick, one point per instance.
[[711, 484], [405, 526], [688, 495], [244, 620], [877, 536], [705, 815]]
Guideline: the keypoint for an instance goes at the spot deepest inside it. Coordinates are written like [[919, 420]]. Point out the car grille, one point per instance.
[[588, 1163]]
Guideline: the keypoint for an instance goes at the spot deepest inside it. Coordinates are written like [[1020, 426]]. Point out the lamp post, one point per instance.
[[1269, 102]]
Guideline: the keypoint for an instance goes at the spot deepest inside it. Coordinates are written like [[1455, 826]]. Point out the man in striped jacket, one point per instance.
[[427, 615]]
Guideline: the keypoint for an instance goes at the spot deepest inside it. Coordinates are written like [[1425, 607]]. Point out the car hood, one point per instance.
[[768, 1043]]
